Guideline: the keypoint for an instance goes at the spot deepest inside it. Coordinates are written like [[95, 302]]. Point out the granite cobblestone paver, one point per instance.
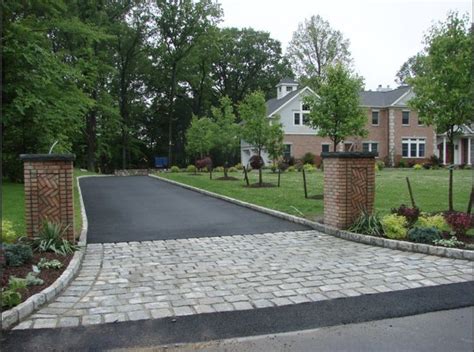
[[156, 279]]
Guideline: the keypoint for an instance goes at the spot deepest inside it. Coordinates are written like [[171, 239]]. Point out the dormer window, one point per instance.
[[289, 89]]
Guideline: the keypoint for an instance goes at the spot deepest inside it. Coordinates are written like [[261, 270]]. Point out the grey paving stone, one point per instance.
[[44, 323], [242, 305], [114, 317], [68, 322], [138, 315], [91, 319]]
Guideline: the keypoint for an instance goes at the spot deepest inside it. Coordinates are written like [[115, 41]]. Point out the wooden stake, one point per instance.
[[246, 176], [411, 193], [450, 190], [279, 177], [304, 183], [471, 200]]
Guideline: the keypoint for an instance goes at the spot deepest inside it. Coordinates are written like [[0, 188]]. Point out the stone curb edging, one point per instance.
[[20, 312], [406, 246]]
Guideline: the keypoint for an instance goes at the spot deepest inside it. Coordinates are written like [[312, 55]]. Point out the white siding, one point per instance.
[[287, 116]]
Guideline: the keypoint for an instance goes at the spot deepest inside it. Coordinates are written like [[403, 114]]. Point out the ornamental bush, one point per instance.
[[283, 165], [191, 168], [417, 167], [435, 221], [232, 169], [459, 222], [367, 224], [394, 226], [174, 168], [256, 162], [219, 169], [380, 164], [308, 158], [424, 235], [8, 233], [239, 166], [291, 169], [17, 254], [410, 214], [309, 168]]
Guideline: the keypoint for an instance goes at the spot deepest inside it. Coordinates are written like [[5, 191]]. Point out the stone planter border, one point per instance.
[[20, 312], [454, 253]]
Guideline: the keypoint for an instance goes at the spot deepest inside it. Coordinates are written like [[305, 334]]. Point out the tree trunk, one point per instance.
[[91, 138], [450, 192], [335, 145], [171, 113]]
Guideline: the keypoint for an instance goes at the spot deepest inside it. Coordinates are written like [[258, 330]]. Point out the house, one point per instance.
[[395, 132]]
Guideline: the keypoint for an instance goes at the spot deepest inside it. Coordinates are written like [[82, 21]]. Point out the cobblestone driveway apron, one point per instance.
[[155, 279]]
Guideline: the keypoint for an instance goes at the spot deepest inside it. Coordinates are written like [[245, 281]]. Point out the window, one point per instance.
[[370, 147], [306, 119], [279, 89], [289, 89], [348, 147], [305, 107], [286, 151], [420, 123], [375, 117], [405, 118], [413, 147], [297, 118], [325, 148]]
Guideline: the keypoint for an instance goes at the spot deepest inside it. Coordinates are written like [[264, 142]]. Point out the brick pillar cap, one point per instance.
[[349, 155], [48, 157]]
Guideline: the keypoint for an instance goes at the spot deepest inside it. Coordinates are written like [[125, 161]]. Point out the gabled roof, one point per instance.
[[287, 80], [274, 104], [383, 98]]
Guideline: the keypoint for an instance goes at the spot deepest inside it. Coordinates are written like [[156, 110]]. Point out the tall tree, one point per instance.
[[442, 87], [248, 60], [200, 137], [226, 138], [180, 24], [408, 70], [257, 129], [336, 112], [314, 47]]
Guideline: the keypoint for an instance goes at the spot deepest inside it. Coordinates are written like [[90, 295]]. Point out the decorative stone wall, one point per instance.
[[349, 186], [49, 191], [132, 172]]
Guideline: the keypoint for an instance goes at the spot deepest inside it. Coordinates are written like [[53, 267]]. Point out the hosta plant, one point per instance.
[[450, 242], [49, 264]]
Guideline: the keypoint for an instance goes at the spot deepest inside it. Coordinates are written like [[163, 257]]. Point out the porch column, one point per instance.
[[469, 162], [444, 150]]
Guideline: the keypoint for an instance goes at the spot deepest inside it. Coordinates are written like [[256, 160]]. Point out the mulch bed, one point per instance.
[[48, 275], [263, 185], [228, 178]]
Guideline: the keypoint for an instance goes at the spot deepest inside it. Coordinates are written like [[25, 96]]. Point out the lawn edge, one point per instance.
[[454, 253], [23, 310]]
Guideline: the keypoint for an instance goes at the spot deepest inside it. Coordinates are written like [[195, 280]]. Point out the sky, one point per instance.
[[383, 34]]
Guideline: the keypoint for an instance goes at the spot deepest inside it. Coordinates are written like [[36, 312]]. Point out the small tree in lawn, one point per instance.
[[200, 137], [257, 129], [275, 142], [442, 85], [336, 113], [226, 130]]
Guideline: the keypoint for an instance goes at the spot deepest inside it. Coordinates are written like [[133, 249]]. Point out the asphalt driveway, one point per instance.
[[141, 208]]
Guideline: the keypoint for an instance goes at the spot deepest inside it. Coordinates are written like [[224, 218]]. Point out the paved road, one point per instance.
[[139, 208], [449, 330]]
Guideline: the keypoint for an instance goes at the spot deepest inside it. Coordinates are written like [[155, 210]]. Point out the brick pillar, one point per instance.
[[49, 191], [349, 186]]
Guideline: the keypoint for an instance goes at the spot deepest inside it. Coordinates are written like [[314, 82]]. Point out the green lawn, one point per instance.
[[13, 204], [430, 188]]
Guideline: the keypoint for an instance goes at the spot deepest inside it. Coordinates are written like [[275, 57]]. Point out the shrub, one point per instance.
[[8, 233], [239, 166], [256, 162], [380, 164], [309, 168], [219, 169], [417, 167], [49, 264], [451, 242], [232, 169], [459, 222], [411, 163], [434, 160], [50, 239], [290, 161], [282, 165], [427, 166], [11, 295], [17, 254], [402, 163], [32, 279], [299, 165], [191, 168], [174, 168], [424, 235], [376, 168], [410, 214], [394, 226], [291, 169], [205, 163], [308, 158], [435, 221], [367, 224]]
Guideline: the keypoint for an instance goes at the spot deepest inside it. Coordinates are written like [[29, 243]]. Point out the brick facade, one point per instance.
[[49, 191], [349, 187]]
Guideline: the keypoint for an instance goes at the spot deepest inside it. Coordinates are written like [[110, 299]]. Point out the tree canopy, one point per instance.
[[314, 47], [336, 112]]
